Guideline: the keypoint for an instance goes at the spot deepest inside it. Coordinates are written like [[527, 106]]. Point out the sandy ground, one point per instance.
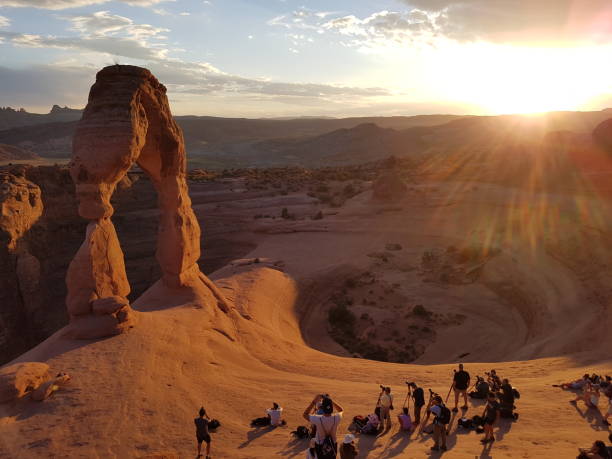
[[542, 319]]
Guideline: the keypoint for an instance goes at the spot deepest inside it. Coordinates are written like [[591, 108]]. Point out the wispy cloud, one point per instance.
[[4, 21], [65, 4]]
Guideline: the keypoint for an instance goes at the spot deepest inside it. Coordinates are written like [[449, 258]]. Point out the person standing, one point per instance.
[[490, 416], [326, 444], [419, 401], [385, 401], [441, 419], [461, 382], [202, 434]]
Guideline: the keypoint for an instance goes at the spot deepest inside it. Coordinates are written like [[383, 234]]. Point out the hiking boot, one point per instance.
[[455, 410]]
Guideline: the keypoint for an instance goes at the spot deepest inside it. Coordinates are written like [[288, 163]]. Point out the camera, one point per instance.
[[409, 383]]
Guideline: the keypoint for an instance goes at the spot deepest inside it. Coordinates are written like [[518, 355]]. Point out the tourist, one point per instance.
[[441, 419], [326, 444], [202, 434], [311, 452], [590, 396], [348, 450], [404, 420], [575, 385], [482, 389], [461, 382], [597, 451], [490, 417], [385, 401], [419, 401], [276, 415], [372, 425]]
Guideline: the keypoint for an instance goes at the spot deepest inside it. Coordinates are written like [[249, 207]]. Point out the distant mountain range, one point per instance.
[[10, 152], [240, 142]]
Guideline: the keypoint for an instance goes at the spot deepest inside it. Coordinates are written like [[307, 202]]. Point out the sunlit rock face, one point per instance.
[[127, 122]]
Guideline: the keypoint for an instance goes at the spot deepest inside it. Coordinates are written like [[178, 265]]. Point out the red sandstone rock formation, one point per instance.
[[127, 121], [602, 135]]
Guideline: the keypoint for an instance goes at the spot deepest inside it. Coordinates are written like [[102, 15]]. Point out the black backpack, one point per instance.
[[301, 432], [214, 424], [328, 449], [445, 415], [516, 393]]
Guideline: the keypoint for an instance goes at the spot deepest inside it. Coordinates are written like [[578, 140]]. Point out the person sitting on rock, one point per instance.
[[597, 451], [482, 389], [348, 450], [202, 433], [373, 423], [404, 420], [275, 414]]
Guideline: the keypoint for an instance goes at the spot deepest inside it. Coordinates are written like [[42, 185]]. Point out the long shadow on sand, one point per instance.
[[254, 434], [593, 416], [294, 448]]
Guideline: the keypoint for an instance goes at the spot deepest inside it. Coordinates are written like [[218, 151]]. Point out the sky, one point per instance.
[[280, 58]]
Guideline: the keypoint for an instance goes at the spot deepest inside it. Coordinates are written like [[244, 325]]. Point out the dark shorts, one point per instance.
[[489, 421], [203, 438], [461, 389]]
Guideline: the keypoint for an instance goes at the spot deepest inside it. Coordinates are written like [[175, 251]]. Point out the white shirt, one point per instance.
[[275, 416], [326, 425], [386, 400]]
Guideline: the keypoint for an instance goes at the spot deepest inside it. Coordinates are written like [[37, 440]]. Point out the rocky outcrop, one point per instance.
[[127, 122], [18, 379]]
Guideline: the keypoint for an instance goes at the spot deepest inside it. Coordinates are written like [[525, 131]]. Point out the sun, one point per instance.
[[509, 79]]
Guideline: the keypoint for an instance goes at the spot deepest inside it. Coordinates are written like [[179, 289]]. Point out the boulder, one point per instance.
[[20, 378]]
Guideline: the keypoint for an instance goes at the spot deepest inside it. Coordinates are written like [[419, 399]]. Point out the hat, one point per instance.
[[349, 438]]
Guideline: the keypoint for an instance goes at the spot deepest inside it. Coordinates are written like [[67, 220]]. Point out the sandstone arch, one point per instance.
[[127, 120]]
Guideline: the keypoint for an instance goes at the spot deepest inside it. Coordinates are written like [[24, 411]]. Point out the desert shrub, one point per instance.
[[341, 317]]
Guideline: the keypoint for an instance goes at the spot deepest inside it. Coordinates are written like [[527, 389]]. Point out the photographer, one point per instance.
[[419, 401], [482, 389], [441, 419], [597, 451], [490, 416], [326, 444], [461, 382], [385, 401]]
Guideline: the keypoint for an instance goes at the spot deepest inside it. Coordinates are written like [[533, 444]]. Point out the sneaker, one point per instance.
[[455, 410], [464, 407]]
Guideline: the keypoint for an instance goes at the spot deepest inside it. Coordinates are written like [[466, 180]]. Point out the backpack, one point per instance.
[[301, 432], [259, 422], [213, 424], [328, 449], [516, 393], [445, 415]]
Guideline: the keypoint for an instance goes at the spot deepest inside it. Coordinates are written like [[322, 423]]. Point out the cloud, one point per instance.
[[513, 21], [4, 21], [103, 23], [65, 4]]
